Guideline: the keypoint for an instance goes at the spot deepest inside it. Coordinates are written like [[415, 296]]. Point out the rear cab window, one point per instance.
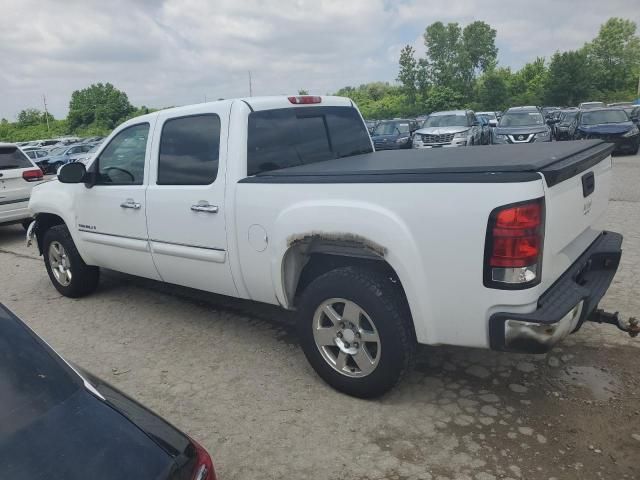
[[289, 137], [12, 157]]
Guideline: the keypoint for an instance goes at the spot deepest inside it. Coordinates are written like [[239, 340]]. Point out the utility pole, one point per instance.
[[250, 87], [46, 114]]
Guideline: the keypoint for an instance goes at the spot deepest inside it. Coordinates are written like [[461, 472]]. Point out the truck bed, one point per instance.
[[557, 161]]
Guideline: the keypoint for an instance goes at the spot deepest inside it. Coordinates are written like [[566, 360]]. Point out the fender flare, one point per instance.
[[375, 229]]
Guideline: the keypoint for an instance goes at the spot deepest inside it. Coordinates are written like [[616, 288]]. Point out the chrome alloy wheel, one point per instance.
[[60, 264], [346, 337]]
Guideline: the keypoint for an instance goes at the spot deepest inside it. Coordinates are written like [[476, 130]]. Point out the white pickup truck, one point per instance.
[[282, 200]]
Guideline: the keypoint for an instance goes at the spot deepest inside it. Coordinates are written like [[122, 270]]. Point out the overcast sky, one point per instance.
[[176, 52]]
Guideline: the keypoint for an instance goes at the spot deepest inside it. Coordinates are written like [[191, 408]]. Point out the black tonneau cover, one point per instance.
[[557, 161]]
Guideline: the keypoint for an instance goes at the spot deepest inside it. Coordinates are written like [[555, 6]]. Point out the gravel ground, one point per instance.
[[232, 375]]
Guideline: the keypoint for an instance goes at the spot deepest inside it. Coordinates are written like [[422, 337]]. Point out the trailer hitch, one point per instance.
[[631, 326]]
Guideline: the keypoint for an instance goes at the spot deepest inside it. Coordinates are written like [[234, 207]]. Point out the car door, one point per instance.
[[110, 216], [185, 200]]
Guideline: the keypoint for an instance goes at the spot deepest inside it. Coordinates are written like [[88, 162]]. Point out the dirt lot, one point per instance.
[[232, 374]]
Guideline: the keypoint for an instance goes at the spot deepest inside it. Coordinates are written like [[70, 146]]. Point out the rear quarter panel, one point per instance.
[[432, 235]]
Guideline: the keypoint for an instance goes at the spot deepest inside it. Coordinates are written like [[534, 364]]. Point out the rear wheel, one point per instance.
[[67, 271], [355, 330]]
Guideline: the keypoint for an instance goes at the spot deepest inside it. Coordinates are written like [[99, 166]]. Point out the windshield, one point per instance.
[[604, 116], [521, 119], [487, 115], [568, 117], [58, 150], [453, 120], [12, 157], [391, 128], [586, 105]]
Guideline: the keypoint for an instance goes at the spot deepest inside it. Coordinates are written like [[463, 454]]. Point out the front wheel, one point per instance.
[[67, 271], [355, 329]]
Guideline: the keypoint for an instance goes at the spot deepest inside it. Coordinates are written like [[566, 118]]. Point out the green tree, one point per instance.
[[570, 79], [443, 98], [408, 74], [493, 90], [99, 105], [528, 83], [455, 56], [31, 116], [303, 92], [443, 53], [615, 57]]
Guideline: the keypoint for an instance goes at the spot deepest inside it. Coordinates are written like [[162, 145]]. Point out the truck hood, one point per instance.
[[441, 130], [521, 130], [606, 128]]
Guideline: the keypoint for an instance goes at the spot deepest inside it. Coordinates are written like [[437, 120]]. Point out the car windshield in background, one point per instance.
[[391, 128], [289, 137], [521, 119], [568, 116], [604, 116], [12, 157], [445, 121], [58, 150]]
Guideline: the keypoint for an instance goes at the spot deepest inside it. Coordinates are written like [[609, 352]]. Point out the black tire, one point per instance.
[[384, 303], [25, 223], [84, 278]]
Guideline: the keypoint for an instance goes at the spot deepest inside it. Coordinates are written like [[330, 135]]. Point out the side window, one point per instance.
[[189, 150], [122, 161]]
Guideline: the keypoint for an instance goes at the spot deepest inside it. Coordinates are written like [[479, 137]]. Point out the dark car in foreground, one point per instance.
[[521, 125], [393, 134], [609, 124], [58, 422]]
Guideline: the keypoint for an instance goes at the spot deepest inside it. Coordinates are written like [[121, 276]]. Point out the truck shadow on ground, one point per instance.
[[516, 376]]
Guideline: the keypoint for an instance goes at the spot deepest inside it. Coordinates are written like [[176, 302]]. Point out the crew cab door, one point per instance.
[[110, 216], [186, 196]]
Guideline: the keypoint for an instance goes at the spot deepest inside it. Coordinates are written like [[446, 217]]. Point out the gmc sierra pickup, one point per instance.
[[283, 200]]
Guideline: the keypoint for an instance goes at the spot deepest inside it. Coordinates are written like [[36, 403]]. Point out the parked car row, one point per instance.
[[49, 155], [523, 124]]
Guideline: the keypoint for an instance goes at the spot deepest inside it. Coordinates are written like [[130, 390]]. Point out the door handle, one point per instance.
[[129, 203], [203, 206]]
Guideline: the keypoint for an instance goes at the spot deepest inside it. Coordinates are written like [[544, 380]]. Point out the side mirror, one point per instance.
[[493, 123], [74, 172]]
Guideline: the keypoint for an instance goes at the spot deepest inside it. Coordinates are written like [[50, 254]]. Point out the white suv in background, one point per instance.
[[456, 128], [18, 175]]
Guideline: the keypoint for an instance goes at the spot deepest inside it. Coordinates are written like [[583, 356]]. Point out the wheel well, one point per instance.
[[44, 221], [314, 256]]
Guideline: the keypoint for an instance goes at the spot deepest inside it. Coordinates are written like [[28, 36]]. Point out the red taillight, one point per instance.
[[203, 469], [515, 238], [32, 175], [305, 99]]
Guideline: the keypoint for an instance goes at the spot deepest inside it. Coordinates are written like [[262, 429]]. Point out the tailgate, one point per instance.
[[576, 197]]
